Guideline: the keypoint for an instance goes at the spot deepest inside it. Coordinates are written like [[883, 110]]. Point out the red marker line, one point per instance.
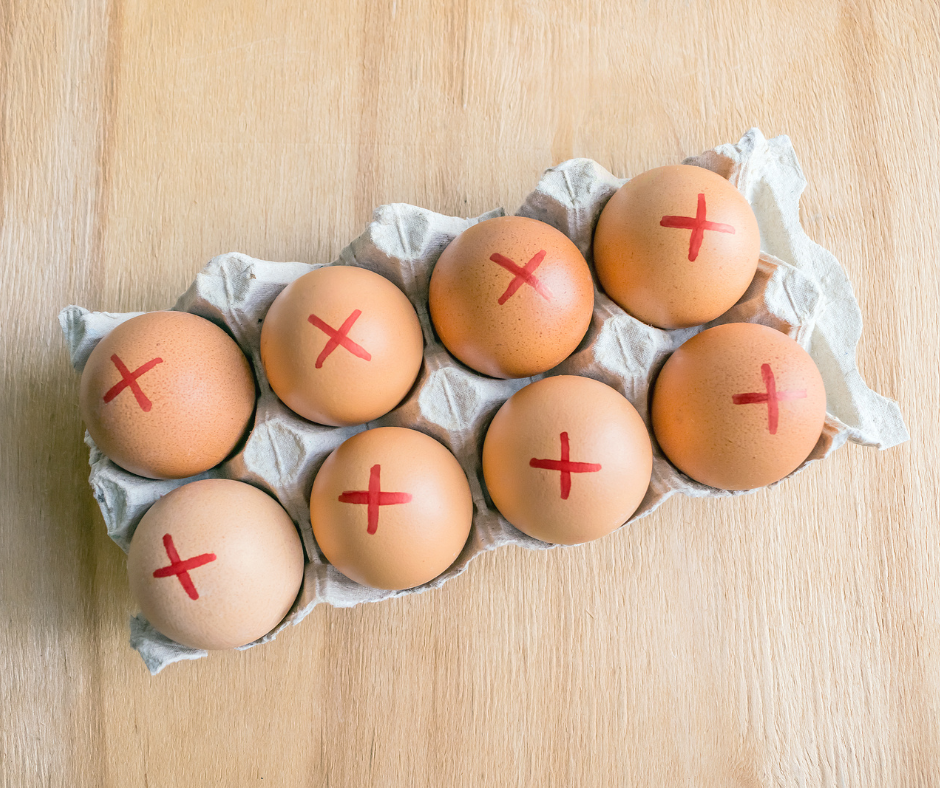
[[339, 337], [565, 466], [771, 396], [524, 275], [129, 378], [373, 498], [181, 568], [697, 225]]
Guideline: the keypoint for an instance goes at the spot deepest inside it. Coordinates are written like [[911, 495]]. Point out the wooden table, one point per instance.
[[787, 638]]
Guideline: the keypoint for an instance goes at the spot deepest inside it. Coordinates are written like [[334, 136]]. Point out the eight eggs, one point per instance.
[[566, 459]]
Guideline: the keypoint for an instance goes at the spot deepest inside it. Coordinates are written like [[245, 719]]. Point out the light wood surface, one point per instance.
[[789, 638]]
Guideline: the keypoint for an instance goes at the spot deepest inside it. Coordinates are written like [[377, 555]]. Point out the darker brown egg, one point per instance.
[[511, 297], [738, 406], [167, 395], [676, 246]]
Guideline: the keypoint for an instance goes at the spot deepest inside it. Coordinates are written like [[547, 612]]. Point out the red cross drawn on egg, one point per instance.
[[373, 498], [698, 225], [524, 275], [180, 569], [339, 337], [565, 466], [770, 396], [129, 380]]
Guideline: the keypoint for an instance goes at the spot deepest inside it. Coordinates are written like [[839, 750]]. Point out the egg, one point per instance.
[[391, 508], [167, 395], [215, 564], [738, 406], [567, 459], [511, 297], [676, 246], [341, 345]]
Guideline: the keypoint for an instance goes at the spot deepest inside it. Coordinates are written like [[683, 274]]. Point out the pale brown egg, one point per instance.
[[215, 564], [567, 459], [511, 297], [391, 508], [676, 246], [341, 345], [738, 406], [167, 395]]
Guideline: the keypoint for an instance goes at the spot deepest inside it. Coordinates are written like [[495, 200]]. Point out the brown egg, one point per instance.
[[676, 246], [738, 406], [567, 459], [511, 297], [215, 564], [341, 345], [391, 508], [167, 395]]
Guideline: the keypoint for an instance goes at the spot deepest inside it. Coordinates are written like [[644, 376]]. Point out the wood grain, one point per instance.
[[789, 638]]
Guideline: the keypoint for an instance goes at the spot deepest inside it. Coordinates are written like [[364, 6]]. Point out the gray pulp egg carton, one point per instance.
[[800, 289]]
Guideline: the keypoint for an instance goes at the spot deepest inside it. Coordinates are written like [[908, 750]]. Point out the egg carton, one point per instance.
[[799, 289]]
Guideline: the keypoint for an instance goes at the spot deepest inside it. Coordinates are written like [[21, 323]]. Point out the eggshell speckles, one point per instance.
[[391, 508], [341, 345], [167, 395], [567, 459], [215, 564], [738, 406], [511, 297], [676, 246]]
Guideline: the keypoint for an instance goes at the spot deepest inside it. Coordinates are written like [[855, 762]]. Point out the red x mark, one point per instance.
[[129, 378], [698, 226], [523, 275], [181, 568], [565, 466], [339, 337], [374, 498], [771, 397]]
